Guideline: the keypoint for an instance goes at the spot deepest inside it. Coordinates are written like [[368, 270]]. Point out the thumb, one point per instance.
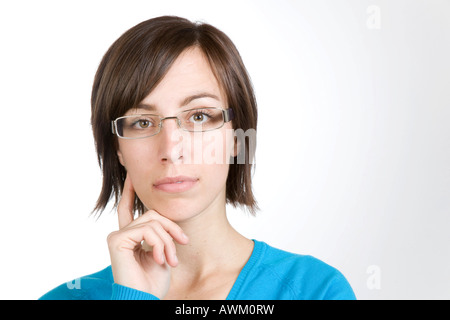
[[125, 209]]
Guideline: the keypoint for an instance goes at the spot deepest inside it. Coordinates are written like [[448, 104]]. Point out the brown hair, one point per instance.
[[135, 64]]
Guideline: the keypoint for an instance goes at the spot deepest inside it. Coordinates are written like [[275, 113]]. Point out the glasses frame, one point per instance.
[[228, 115]]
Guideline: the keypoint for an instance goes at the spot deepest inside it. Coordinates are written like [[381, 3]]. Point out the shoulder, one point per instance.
[[95, 286], [297, 276]]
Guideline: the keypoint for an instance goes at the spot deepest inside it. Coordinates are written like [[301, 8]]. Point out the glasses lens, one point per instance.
[[139, 126], [203, 119]]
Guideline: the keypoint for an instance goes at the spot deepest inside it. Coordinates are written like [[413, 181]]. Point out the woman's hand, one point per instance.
[[135, 266]]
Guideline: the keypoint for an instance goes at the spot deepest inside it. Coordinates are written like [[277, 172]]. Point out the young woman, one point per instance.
[[167, 101]]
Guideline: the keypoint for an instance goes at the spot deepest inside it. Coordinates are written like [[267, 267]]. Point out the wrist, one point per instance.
[[120, 292]]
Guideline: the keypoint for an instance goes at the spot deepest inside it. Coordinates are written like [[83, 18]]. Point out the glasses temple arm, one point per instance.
[[228, 115]]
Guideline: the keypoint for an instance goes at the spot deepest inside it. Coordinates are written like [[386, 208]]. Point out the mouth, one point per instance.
[[175, 184]]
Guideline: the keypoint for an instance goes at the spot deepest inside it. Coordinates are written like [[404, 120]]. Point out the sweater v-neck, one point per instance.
[[252, 261]]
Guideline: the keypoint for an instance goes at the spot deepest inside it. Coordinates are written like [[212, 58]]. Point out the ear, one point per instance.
[[120, 156]]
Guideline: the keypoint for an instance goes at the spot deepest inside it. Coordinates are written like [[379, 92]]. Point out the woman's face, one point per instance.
[[180, 174]]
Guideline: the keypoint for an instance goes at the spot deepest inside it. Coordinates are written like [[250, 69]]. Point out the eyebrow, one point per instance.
[[184, 102], [189, 99]]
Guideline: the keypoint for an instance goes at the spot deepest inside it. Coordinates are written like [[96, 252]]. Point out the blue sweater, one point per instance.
[[269, 274]]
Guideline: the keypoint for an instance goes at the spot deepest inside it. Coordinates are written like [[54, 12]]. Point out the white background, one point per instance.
[[353, 155]]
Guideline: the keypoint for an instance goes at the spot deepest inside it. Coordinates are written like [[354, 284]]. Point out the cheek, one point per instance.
[[135, 157], [213, 147], [216, 152]]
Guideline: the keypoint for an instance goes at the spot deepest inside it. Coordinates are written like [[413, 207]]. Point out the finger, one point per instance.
[[170, 250], [154, 240], [169, 226], [125, 209]]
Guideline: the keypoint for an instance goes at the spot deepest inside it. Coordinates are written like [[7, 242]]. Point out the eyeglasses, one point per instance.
[[194, 120]]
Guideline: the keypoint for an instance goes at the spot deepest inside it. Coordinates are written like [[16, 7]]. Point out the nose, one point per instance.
[[170, 144]]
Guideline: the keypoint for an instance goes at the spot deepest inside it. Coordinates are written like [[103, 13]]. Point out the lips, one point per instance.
[[175, 184]]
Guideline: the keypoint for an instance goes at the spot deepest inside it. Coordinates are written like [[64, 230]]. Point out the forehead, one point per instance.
[[189, 76]]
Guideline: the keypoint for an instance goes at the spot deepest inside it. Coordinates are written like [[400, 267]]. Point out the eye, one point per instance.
[[199, 117], [143, 123]]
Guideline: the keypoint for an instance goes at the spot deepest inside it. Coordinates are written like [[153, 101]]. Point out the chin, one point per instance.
[[177, 210]]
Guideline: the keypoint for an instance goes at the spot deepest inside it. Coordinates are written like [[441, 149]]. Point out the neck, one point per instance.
[[213, 243]]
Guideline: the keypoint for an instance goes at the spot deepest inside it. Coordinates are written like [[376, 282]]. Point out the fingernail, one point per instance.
[[175, 259], [185, 237]]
